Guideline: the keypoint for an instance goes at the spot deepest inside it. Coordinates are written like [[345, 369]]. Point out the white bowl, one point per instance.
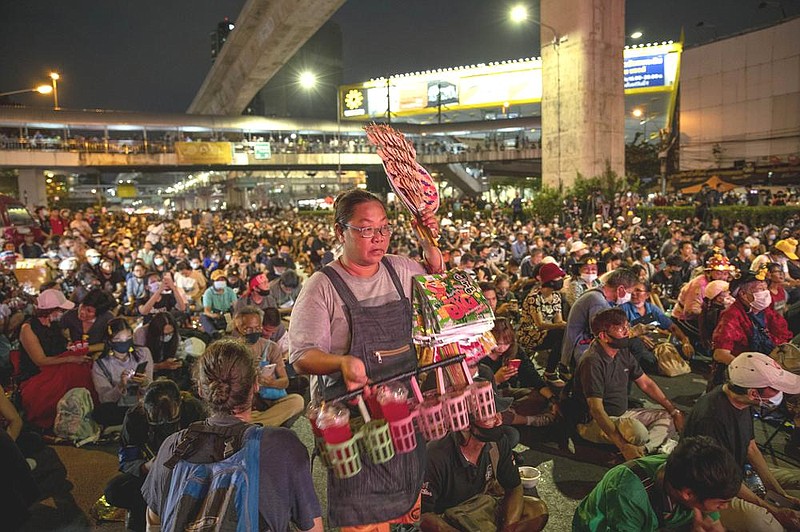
[[530, 476]]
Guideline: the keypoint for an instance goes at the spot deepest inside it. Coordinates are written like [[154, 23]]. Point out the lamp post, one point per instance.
[[518, 15], [41, 89], [54, 77]]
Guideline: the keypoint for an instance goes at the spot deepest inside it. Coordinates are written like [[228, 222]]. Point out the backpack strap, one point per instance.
[[225, 441], [494, 457], [102, 365], [648, 483]]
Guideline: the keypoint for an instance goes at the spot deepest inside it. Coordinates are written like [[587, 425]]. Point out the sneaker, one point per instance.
[[553, 379], [668, 446]]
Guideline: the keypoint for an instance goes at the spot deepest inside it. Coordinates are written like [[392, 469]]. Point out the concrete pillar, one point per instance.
[[583, 108], [32, 188]]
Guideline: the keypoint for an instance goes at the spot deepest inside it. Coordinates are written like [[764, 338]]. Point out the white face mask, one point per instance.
[[589, 278], [457, 260], [771, 403], [761, 300], [727, 301], [624, 299], [219, 285], [748, 252]]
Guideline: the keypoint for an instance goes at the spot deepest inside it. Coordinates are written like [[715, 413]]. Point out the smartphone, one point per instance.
[[141, 367], [267, 370], [514, 363]]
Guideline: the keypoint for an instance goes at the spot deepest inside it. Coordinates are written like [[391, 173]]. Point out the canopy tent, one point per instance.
[[712, 182]]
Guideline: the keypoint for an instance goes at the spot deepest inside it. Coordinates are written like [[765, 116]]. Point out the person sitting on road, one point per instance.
[[218, 300], [725, 414], [461, 469], [90, 319], [599, 401], [285, 290], [164, 410], [120, 374], [162, 337], [682, 491]]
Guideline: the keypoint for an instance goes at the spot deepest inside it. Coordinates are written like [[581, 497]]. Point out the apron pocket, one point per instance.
[[382, 363]]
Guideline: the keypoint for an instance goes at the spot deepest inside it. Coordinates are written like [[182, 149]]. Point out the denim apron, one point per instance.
[[380, 337]]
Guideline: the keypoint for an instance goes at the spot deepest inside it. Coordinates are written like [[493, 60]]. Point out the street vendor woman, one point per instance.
[[351, 325]]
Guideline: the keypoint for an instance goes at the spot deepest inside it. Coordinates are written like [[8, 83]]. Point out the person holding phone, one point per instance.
[[120, 373]]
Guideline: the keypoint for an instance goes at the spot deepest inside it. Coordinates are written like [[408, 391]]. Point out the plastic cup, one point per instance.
[[337, 434], [395, 410]]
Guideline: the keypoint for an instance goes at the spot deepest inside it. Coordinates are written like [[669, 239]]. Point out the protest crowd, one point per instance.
[[164, 333]]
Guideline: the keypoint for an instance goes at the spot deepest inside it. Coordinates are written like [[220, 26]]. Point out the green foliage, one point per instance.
[[641, 158], [729, 214], [546, 205]]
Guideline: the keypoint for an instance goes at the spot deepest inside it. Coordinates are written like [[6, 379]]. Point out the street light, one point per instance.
[[637, 112], [636, 35], [307, 79], [41, 89], [519, 13], [55, 77]]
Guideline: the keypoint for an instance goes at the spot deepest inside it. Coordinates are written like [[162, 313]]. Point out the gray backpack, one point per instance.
[[74, 417]]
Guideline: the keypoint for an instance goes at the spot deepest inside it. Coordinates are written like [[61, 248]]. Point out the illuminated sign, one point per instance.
[[646, 68], [204, 152], [262, 150]]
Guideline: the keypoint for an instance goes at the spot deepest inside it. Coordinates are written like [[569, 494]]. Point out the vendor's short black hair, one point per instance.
[[705, 467]]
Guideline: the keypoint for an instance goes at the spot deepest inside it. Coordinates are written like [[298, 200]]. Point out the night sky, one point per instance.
[[152, 55]]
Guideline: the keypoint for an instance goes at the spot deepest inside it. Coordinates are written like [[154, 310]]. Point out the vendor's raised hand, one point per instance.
[[354, 372], [426, 218]]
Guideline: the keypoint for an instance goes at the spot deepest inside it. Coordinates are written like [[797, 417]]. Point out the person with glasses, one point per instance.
[[350, 326], [599, 401], [164, 410]]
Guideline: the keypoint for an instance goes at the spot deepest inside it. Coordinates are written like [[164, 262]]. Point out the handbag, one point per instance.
[[670, 362]]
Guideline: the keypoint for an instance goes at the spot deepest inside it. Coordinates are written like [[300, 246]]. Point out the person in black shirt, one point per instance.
[[462, 464], [29, 249], [725, 414], [163, 411], [669, 280]]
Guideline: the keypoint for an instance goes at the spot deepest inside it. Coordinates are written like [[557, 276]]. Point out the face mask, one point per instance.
[[748, 252], [219, 285], [736, 234], [562, 250], [166, 338], [761, 300], [457, 260], [194, 265], [127, 266], [555, 285], [52, 254], [261, 292], [618, 343], [153, 287], [94, 261], [727, 301], [487, 435], [771, 403], [624, 299], [227, 258], [693, 263], [122, 347], [252, 337], [588, 278], [158, 261], [646, 259], [55, 318]]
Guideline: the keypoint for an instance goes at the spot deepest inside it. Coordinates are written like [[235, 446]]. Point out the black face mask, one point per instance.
[[252, 337], [555, 285], [487, 435], [261, 292], [618, 343]]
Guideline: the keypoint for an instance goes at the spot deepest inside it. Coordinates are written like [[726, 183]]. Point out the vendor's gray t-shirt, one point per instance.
[[318, 318]]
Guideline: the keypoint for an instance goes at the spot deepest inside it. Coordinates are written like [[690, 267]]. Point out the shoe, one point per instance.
[[668, 446], [553, 379], [31, 463]]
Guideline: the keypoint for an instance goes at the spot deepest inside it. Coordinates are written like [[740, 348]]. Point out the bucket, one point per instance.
[[457, 410], [482, 400], [345, 458], [403, 434], [431, 419], [376, 441]]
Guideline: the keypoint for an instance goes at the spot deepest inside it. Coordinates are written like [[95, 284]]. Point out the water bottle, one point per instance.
[[754, 482]]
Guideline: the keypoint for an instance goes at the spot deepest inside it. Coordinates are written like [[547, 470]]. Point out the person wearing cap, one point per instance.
[[577, 250], [477, 463], [218, 300], [599, 402], [690, 299], [258, 294], [583, 278], [163, 410], [781, 252], [716, 298], [749, 324], [48, 368], [684, 490], [725, 414], [541, 323]]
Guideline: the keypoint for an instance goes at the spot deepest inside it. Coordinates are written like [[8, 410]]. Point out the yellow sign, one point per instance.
[[650, 68], [204, 152], [126, 191]]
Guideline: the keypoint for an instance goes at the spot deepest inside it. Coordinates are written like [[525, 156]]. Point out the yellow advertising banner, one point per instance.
[[204, 152], [126, 191]]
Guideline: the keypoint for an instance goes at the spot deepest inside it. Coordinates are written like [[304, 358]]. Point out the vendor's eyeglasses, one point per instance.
[[156, 422], [369, 232]]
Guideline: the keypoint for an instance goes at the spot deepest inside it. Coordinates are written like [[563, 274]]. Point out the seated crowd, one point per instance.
[[167, 323]]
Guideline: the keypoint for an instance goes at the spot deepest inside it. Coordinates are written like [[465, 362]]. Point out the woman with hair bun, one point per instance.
[[226, 381]]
